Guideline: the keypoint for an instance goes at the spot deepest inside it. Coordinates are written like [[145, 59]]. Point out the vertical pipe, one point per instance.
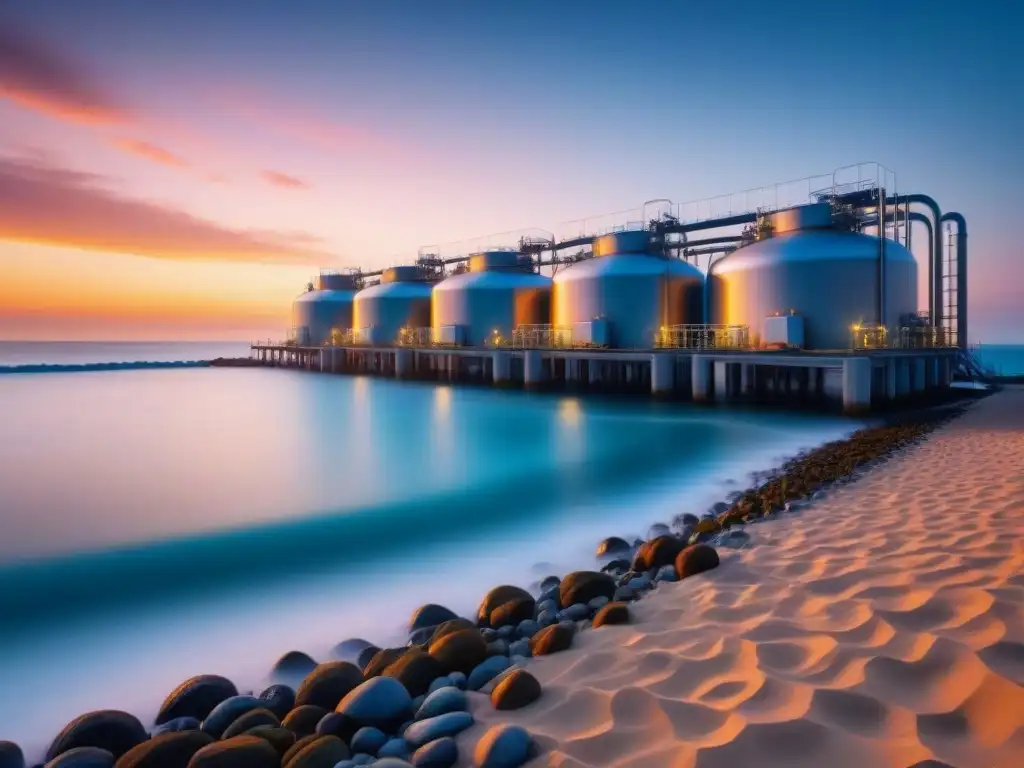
[[881, 257], [961, 276]]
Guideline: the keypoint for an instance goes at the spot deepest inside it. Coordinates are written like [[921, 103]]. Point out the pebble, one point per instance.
[[321, 752], [527, 628], [496, 597], [440, 753], [381, 702], [458, 679], [298, 746], [497, 648], [279, 699], [83, 757], [365, 657], [488, 634], [442, 682], [303, 720], [239, 752], [638, 583], [363, 759], [393, 748], [551, 594], [351, 649], [696, 559], [281, 739], [666, 573], [550, 582], [485, 672], [613, 613], [196, 697], [557, 637], [598, 603], [392, 762], [613, 546], [328, 684], [251, 719], [421, 636], [172, 726], [584, 586], [515, 691], [293, 667], [547, 618], [548, 606], [520, 647], [503, 746], [415, 670], [733, 538], [430, 615], [168, 750], [459, 651], [657, 552], [11, 755], [109, 729], [623, 593], [512, 612], [656, 530], [423, 731], [381, 660], [615, 567], [334, 724], [225, 713], [576, 612], [368, 740]]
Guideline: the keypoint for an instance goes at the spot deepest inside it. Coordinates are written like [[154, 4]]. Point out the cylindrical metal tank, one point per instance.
[[400, 300], [496, 295], [825, 275], [634, 290], [325, 308]]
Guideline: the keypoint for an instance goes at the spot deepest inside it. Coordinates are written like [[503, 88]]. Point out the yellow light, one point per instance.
[[856, 326]]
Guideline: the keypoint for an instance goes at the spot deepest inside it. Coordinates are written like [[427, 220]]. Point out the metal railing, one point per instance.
[[542, 336], [917, 336], [700, 336], [869, 336], [415, 337]]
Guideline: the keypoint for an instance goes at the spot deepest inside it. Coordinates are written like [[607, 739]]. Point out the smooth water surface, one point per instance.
[[16, 353], [1003, 359], [164, 523]]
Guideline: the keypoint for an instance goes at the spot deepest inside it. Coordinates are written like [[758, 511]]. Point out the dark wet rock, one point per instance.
[[613, 613], [168, 750], [658, 529], [394, 748], [549, 582], [322, 752], [11, 755], [298, 746], [392, 762], [503, 746], [616, 567], [430, 615], [719, 508], [83, 757], [279, 699], [281, 739], [172, 726], [576, 612], [547, 618], [335, 724], [359, 759], [365, 657], [440, 753], [349, 650], [622, 594], [520, 647], [108, 729], [512, 611], [613, 546], [696, 559], [638, 583], [302, 720], [498, 648], [557, 637], [421, 636], [382, 702], [416, 670], [251, 719], [424, 731], [733, 538], [496, 597], [666, 573], [442, 702], [515, 691], [584, 586], [549, 594], [527, 628], [225, 713], [486, 671], [459, 651], [239, 752], [450, 627], [598, 603], [657, 553], [326, 685], [196, 697], [489, 635], [685, 520], [507, 632], [293, 667], [368, 740], [458, 679], [442, 682], [381, 660]]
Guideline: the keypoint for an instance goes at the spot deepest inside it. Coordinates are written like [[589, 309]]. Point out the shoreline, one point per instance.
[[924, 421]]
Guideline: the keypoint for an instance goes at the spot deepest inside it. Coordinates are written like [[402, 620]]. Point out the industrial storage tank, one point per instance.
[[824, 275], [325, 307], [634, 290], [400, 300], [498, 293]]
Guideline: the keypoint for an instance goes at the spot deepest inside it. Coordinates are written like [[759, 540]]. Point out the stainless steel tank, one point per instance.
[[634, 290], [325, 308], [825, 275], [400, 300], [496, 295]]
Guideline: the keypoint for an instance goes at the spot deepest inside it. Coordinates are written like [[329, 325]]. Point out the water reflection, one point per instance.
[[444, 467], [570, 445]]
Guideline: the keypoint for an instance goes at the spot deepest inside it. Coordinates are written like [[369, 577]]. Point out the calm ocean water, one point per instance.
[[163, 523], [1004, 359]]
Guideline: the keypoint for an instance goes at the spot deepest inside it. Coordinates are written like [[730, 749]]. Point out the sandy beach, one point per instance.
[[883, 626]]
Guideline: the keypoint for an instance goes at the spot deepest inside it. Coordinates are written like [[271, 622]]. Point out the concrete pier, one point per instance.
[[856, 385], [501, 367], [662, 374], [920, 382], [403, 363], [533, 367], [721, 368], [700, 373]]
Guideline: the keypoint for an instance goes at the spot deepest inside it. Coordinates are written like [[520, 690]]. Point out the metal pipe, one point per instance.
[[961, 275], [916, 216], [880, 294], [935, 263]]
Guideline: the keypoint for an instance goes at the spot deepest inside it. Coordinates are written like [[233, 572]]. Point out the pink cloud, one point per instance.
[[283, 180], [151, 152]]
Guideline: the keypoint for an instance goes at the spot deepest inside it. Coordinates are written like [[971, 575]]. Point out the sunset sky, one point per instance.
[[180, 170]]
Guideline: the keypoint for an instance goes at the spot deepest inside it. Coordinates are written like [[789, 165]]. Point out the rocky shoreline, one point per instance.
[[403, 706]]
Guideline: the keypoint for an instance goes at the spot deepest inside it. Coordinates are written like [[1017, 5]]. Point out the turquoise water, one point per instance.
[[164, 523], [1003, 359]]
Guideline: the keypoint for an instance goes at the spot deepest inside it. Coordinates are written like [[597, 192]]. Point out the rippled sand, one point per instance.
[[881, 628]]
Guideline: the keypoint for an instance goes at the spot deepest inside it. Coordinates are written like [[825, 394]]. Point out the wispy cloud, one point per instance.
[[38, 77], [151, 152], [44, 204], [283, 180]]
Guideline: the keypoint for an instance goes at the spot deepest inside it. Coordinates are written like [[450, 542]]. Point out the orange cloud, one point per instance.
[[283, 180], [43, 204], [39, 78], [149, 151]]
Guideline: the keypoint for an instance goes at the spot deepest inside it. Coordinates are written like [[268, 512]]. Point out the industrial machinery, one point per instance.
[[813, 270], [326, 306], [630, 287], [400, 300], [485, 304]]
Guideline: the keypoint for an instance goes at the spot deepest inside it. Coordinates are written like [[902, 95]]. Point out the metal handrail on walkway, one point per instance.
[[703, 336], [542, 336]]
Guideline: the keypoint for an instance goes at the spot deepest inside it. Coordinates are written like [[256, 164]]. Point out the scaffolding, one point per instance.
[[869, 336], [703, 336], [950, 278], [542, 336]]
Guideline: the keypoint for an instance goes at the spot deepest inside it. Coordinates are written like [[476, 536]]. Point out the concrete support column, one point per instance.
[[919, 374], [592, 376], [856, 385], [890, 379], [813, 388], [934, 374], [945, 371], [323, 361], [700, 375], [501, 366], [403, 363], [722, 381], [570, 369], [662, 373], [747, 374], [453, 367], [533, 367], [902, 378]]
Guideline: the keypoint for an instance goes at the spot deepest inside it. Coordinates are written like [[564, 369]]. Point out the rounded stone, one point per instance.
[[369, 740], [503, 746], [430, 615], [391, 762], [513, 611], [519, 648], [451, 626], [280, 738], [293, 666], [279, 699], [298, 746], [497, 648], [552, 639], [424, 731], [109, 729], [168, 750], [688, 519], [459, 651], [326, 685], [656, 530], [350, 650], [83, 757], [515, 691], [11, 755], [173, 726], [695, 559], [666, 573], [416, 670], [251, 719], [613, 546], [239, 752], [441, 702], [442, 682], [616, 567], [657, 553], [527, 629], [381, 660], [549, 582], [584, 586], [393, 749], [365, 657], [335, 724], [382, 702], [225, 713], [440, 753], [303, 720], [498, 596], [196, 697], [613, 613], [421, 636], [321, 752], [576, 612], [486, 671], [458, 679]]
